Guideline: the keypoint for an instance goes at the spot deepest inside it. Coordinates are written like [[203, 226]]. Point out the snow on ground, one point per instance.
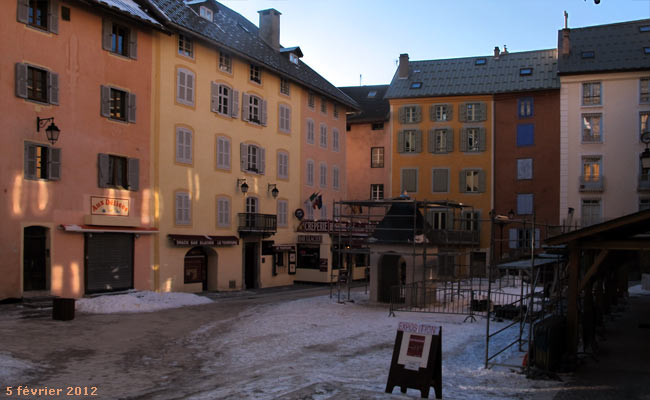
[[138, 302], [637, 290], [13, 369]]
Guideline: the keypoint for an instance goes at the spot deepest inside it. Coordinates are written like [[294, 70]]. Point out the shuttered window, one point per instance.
[[524, 204], [224, 100], [440, 181], [472, 139], [185, 86], [254, 109], [310, 131], [323, 175], [253, 158], [223, 212], [310, 173], [411, 114], [119, 39], [37, 84], [283, 213], [42, 162], [441, 112], [472, 181], [335, 140], [283, 165], [41, 14], [409, 181], [183, 145], [472, 112], [323, 136], [409, 141], [223, 153], [117, 104], [335, 178], [183, 208], [118, 172], [441, 141], [284, 118]]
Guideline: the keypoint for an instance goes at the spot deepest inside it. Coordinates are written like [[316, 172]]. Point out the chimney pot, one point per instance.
[[496, 51], [270, 27], [403, 69]]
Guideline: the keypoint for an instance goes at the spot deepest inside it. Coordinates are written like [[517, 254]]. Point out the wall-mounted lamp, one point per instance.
[[275, 190], [645, 156], [52, 131], [242, 185]]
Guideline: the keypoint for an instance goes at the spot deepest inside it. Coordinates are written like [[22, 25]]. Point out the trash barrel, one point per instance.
[[63, 309]]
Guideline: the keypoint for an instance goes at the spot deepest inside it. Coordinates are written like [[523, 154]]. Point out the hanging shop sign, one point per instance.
[[198, 240], [292, 263], [417, 359], [310, 239], [109, 206], [331, 226]]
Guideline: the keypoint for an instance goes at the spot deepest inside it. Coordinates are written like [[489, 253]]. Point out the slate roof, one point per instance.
[[235, 33], [462, 76], [397, 224], [615, 47], [129, 7], [373, 109]]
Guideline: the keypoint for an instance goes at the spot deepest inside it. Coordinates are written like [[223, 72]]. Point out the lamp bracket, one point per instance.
[[41, 122]]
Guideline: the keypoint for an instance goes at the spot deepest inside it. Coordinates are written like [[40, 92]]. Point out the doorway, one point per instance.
[[196, 267], [389, 276], [250, 265], [35, 255]]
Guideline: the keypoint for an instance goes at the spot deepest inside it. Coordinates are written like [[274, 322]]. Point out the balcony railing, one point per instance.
[[644, 183], [253, 222], [592, 183], [449, 237]]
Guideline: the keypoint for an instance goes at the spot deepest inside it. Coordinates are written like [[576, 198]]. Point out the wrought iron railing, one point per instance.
[[253, 222], [592, 183]]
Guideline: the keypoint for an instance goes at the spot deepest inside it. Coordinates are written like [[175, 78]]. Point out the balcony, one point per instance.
[[454, 238], [592, 183], [644, 183], [265, 224]]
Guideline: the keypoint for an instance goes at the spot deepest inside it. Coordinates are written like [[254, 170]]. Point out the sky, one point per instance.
[[352, 42]]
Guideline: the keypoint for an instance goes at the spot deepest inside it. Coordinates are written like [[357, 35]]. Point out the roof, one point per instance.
[[472, 76], [235, 33], [397, 225], [602, 48], [130, 8], [371, 100], [622, 228]]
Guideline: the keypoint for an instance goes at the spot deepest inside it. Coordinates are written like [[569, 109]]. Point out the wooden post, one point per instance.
[[572, 305]]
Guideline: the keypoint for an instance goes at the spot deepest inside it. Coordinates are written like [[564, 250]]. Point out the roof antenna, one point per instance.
[[360, 75], [566, 20]]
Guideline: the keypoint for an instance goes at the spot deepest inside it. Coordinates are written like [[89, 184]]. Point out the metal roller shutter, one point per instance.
[[109, 262]]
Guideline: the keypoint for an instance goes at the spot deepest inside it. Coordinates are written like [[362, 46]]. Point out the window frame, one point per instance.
[[225, 62], [43, 80], [322, 142], [309, 174], [254, 109], [410, 146], [336, 178], [43, 163], [591, 138], [284, 118], [255, 74], [285, 86], [645, 114], [475, 175], [206, 13], [116, 107], [473, 134], [376, 191], [336, 146], [310, 135], [221, 153], [525, 107], [186, 148], [185, 46], [282, 210], [311, 100], [593, 204], [283, 166], [591, 168], [180, 220], [644, 90], [380, 152], [588, 96], [522, 168], [323, 105], [525, 199], [442, 110], [185, 86], [224, 217], [322, 174]]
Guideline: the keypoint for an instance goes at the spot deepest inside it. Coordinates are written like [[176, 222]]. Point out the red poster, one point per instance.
[[416, 346]]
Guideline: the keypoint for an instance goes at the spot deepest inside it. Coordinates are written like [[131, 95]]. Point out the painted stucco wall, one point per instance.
[[361, 138]]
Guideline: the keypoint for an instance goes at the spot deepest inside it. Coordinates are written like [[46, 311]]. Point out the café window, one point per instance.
[[309, 256]]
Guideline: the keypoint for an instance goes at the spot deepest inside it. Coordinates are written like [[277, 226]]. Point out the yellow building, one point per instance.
[[226, 138]]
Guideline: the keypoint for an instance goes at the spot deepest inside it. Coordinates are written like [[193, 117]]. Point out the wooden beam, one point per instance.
[[630, 244], [572, 301], [593, 269]]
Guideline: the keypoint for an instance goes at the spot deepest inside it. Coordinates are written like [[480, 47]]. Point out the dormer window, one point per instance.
[[206, 13], [525, 71], [588, 54], [372, 94], [480, 61], [644, 28], [416, 85], [646, 50], [293, 58]]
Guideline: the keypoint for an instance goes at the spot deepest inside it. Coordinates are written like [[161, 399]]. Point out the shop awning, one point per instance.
[[203, 240], [112, 229]]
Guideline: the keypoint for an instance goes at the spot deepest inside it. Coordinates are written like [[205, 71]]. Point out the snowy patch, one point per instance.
[[637, 290], [138, 302], [14, 370]]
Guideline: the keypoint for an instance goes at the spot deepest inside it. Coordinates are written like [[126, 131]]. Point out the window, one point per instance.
[[118, 172], [206, 13], [323, 136], [644, 116], [644, 28], [185, 46], [525, 168], [310, 131], [480, 61], [472, 139], [525, 107], [644, 90], [119, 39], [335, 111], [441, 112], [183, 146], [118, 104], [525, 71], [437, 219], [310, 216], [224, 100], [185, 86], [42, 162], [284, 86], [283, 213], [283, 165], [252, 205], [644, 203], [323, 175], [472, 112], [409, 141], [525, 135], [335, 178], [37, 84], [335, 140], [591, 128], [38, 10], [223, 153], [323, 212], [590, 212], [409, 182], [525, 204], [284, 118], [225, 62], [41, 14], [254, 110], [311, 101], [376, 191], [472, 220], [252, 158], [519, 238], [410, 114], [472, 181], [256, 74], [440, 180], [323, 105], [372, 94], [588, 54], [591, 93], [377, 126], [223, 212], [376, 157], [441, 141], [310, 173], [416, 85], [183, 208], [591, 169]]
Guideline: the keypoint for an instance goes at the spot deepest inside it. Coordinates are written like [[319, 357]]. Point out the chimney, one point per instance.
[[270, 27], [565, 46], [403, 69], [496, 51]]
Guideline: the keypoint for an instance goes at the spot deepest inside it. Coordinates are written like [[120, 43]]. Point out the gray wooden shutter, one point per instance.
[[418, 114], [462, 182], [261, 167], [133, 174], [102, 168], [513, 238], [131, 107], [263, 115], [477, 220], [463, 139], [481, 139], [107, 34], [243, 155], [180, 144], [30, 161], [53, 16], [432, 112], [400, 142], [133, 43], [481, 181], [482, 109], [187, 155], [462, 112], [234, 103], [21, 80], [440, 180], [431, 141], [402, 115], [180, 85], [536, 238], [54, 167], [450, 139], [23, 11], [105, 101], [418, 141], [179, 208], [450, 111], [189, 87], [214, 97], [53, 89], [245, 112]]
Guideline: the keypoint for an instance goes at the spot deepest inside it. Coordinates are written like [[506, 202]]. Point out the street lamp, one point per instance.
[[243, 186], [52, 132], [275, 190]]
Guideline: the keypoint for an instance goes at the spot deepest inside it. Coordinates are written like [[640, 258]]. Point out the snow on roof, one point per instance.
[[129, 7], [138, 302]]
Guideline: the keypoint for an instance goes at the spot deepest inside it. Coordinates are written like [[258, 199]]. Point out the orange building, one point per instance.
[[77, 210]]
